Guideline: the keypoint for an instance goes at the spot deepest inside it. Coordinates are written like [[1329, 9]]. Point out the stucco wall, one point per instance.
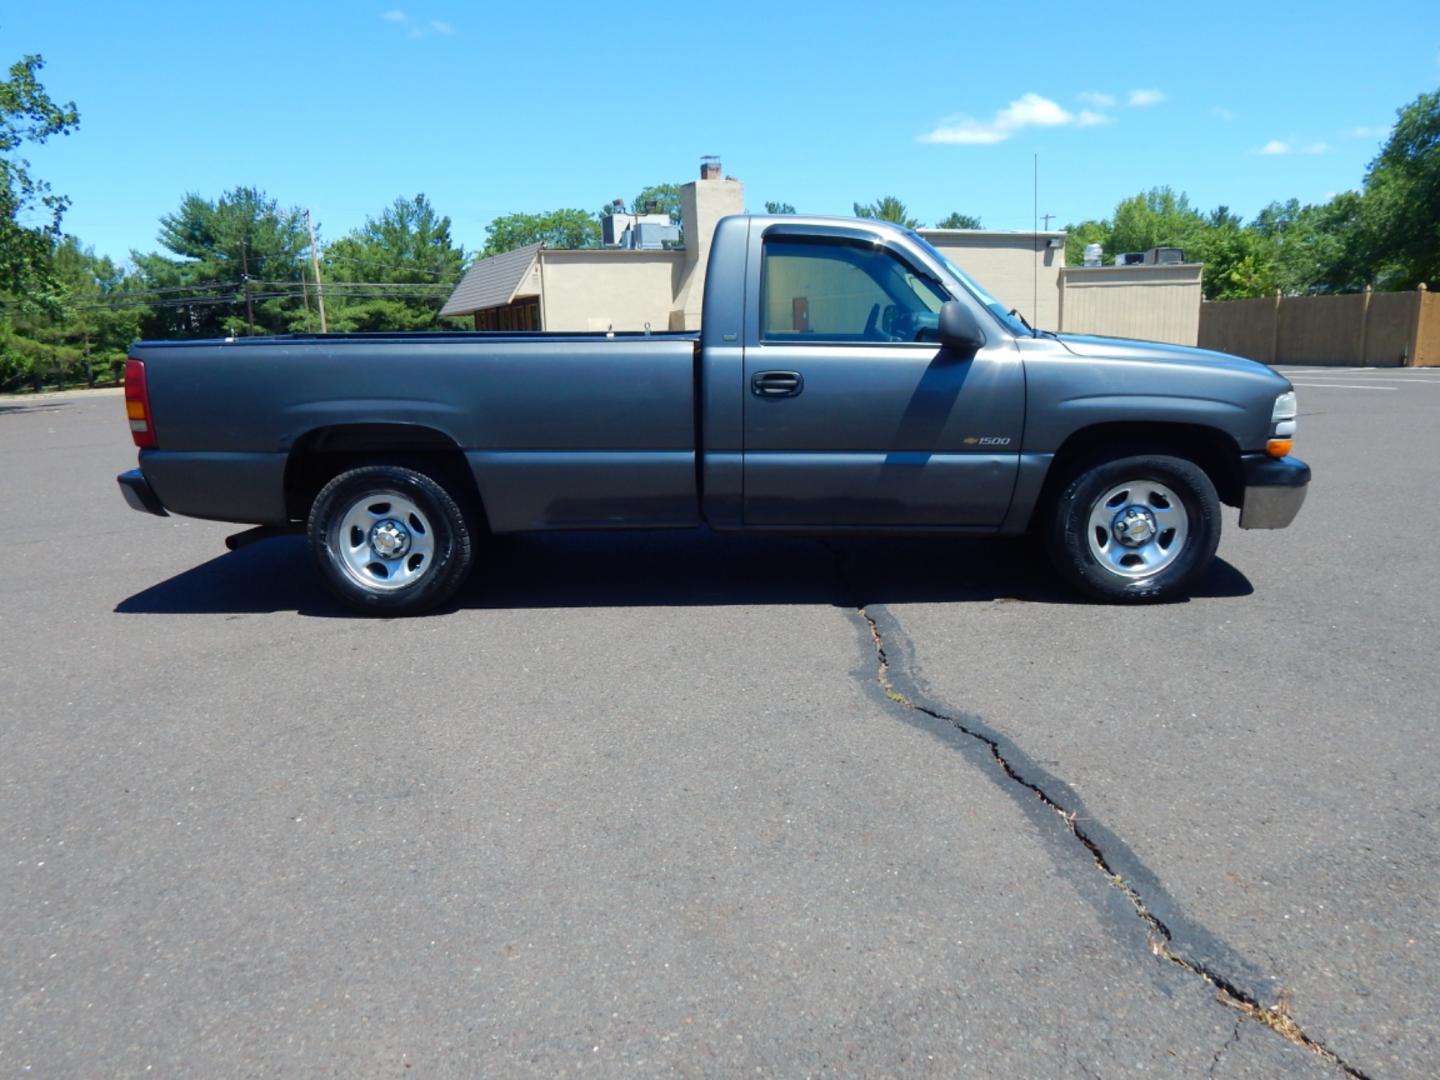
[[1152, 303], [607, 289], [1017, 269], [702, 204]]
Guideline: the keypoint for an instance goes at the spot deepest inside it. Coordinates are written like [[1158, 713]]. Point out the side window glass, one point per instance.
[[843, 292]]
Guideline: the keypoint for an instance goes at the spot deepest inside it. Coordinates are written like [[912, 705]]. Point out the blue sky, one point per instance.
[[530, 106]]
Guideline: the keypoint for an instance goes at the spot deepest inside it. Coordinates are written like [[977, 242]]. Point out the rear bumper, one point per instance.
[[139, 494], [1274, 491]]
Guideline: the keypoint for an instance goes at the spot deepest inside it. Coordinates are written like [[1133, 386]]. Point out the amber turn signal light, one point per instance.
[[1279, 447]]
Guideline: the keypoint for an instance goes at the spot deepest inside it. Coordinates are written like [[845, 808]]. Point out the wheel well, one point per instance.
[[1213, 450], [323, 454]]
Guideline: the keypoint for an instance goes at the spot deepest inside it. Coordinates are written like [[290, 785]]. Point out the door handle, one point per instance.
[[776, 383]]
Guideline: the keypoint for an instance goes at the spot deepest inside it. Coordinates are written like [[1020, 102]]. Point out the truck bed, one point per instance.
[[557, 429]]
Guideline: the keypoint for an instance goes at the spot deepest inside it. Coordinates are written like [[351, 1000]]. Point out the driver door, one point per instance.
[[854, 415]]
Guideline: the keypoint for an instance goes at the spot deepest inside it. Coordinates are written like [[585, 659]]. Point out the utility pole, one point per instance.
[[305, 297], [1046, 218], [1035, 262], [245, 276], [315, 266]]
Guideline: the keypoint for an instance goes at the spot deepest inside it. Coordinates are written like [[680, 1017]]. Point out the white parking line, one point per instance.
[[1423, 382], [1368, 374], [1341, 386]]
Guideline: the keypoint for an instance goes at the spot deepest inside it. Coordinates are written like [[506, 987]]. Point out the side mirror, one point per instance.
[[958, 328]]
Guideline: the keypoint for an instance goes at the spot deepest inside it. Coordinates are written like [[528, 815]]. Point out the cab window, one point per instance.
[[823, 291]]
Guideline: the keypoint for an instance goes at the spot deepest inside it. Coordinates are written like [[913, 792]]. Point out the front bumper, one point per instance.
[[1274, 491], [139, 494]]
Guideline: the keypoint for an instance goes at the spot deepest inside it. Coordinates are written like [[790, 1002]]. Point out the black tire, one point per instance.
[[412, 518], [1087, 539]]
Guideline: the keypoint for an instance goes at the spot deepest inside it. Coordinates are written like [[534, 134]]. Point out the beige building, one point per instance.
[[1150, 302], [1020, 269], [616, 288], [601, 289]]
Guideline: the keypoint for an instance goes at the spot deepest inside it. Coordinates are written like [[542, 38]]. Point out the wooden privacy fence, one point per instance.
[[1366, 329]]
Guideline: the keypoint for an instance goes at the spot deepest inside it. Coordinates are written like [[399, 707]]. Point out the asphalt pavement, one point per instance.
[[690, 804]]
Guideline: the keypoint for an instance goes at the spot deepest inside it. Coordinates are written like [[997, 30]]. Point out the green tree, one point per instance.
[[1304, 246], [1079, 237], [554, 228], [1399, 219], [28, 115], [959, 221], [779, 208], [1237, 261], [1155, 218], [659, 199], [393, 272], [887, 208], [240, 247], [84, 335]]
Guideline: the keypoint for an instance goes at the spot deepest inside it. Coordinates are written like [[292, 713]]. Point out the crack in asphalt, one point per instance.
[[1234, 1038], [1276, 1017]]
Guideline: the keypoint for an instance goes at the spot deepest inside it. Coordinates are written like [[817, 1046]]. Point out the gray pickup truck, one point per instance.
[[847, 378]]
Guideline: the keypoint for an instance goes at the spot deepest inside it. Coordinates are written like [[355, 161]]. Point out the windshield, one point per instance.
[[974, 288]]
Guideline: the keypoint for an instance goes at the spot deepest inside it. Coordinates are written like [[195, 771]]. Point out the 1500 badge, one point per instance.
[[987, 440]]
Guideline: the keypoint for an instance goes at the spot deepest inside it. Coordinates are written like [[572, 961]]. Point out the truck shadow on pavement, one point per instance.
[[20, 406], [662, 569]]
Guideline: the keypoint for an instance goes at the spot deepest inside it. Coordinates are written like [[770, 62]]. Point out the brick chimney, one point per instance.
[[710, 167]]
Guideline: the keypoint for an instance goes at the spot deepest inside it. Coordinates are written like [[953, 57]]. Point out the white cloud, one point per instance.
[[1281, 146], [416, 27], [964, 131], [1028, 110], [1141, 98], [1222, 113], [1096, 98]]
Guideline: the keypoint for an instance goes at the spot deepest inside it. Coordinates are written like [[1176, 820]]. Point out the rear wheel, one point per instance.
[[1135, 529], [389, 540]]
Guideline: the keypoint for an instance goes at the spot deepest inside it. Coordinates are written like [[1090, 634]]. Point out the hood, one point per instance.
[[1103, 348]]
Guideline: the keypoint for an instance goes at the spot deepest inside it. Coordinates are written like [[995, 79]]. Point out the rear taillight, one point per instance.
[[137, 405]]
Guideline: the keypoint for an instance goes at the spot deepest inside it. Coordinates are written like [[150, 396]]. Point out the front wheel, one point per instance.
[[1135, 529], [389, 540]]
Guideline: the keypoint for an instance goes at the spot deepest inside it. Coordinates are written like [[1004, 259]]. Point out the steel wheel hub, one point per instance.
[[384, 541], [1137, 529], [390, 539], [1134, 526]]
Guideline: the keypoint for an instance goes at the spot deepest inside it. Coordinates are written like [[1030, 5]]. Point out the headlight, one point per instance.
[[1282, 425]]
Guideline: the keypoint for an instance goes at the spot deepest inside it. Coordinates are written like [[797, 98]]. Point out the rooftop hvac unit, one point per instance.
[[651, 236], [1164, 256], [621, 230], [1130, 258]]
